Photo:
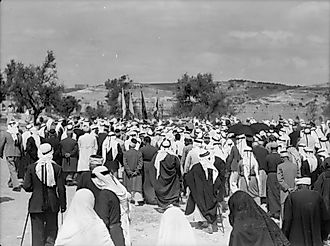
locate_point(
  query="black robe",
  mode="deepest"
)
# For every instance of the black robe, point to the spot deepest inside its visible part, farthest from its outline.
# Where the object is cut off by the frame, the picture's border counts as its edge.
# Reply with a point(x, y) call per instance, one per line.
point(203, 193)
point(251, 225)
point(167, 186)
point(113, 164)
point(322, 185)
point(306, 219)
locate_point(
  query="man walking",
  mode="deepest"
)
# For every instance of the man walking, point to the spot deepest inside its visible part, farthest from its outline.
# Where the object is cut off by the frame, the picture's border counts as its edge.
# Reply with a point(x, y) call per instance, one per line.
point(11, 146)
point(45, 180)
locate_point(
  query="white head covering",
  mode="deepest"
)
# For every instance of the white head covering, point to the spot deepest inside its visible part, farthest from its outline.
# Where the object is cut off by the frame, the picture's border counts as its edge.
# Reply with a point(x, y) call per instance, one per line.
point(35, 135)
point(207, 162)
point(311, 159)
point(82, 226)
point(161, 154)
point(304, 180)
point(13, 130)
point(44, 167)
point(105, 180)
point(175, 230)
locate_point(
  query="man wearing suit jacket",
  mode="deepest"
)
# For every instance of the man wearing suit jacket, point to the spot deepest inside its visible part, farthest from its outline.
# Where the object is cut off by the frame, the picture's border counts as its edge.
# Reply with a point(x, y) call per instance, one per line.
point(286, 174)
point(45, 180)
point(11, 146)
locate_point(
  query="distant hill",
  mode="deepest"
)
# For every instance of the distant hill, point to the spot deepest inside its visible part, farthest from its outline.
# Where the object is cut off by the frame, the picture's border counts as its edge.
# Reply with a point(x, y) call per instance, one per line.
point(262, 100)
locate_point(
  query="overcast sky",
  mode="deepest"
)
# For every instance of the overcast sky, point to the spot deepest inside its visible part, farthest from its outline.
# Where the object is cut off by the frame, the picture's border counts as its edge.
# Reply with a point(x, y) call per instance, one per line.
point(158, 41)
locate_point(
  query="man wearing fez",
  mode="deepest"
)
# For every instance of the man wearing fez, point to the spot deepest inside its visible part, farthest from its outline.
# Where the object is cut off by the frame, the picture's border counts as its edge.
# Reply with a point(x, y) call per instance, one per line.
point(133, 164)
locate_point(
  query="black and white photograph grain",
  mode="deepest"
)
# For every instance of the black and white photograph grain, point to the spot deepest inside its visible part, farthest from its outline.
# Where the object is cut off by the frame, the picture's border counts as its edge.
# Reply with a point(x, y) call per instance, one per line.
point(164, 123)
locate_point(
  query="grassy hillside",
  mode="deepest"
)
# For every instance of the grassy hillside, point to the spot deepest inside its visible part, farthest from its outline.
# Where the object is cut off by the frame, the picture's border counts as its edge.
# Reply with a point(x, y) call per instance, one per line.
point(261, 100)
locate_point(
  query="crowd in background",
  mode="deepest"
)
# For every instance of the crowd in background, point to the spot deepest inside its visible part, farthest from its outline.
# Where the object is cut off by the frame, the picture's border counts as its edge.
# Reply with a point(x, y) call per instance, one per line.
point(284, 164)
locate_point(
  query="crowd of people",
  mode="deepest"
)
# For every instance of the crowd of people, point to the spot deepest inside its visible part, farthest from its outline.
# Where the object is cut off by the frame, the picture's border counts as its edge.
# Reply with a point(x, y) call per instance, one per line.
point(276, 175)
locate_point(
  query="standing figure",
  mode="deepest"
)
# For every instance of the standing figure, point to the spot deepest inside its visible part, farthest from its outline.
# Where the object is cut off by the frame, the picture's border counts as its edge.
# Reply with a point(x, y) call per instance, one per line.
point(109, 184)
point(249, 180)
point(322, 184)
point(148, 152)
point(11, 147)
point(133, 164)
point(287, 172)
point(273, 159)
point(82, 226)
point(45, 180)
point(87, 145)
point(112, 153)
point(69, 152)
point(309, 165)
point(54, 141)
point(167, 175)
point(306, 220)
point(251, 225)
point(204, 183)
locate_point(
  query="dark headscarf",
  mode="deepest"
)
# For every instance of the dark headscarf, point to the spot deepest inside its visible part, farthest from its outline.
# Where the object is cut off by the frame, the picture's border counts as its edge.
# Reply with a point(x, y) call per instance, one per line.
point(246, 217)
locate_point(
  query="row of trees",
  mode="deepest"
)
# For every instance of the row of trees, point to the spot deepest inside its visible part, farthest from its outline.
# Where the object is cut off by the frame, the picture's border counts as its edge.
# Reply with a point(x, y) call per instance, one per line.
point(36, 87)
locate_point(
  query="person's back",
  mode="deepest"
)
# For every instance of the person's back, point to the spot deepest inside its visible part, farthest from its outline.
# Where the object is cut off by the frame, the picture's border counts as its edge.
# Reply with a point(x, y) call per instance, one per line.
point(305, 218)
point(107, 208)
point(148, 151)
point(82, 226)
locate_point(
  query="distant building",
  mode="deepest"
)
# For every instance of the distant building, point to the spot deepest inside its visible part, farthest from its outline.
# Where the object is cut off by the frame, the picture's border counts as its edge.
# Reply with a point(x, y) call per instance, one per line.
point(80, 86)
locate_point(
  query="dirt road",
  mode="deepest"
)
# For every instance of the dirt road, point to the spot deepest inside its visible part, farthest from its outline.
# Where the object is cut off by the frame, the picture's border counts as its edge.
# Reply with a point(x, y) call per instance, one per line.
point(144, 226)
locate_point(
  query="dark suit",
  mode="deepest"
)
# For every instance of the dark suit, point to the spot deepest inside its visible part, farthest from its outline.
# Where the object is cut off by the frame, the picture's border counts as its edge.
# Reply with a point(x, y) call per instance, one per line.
point(69, 145)
point(44, 218)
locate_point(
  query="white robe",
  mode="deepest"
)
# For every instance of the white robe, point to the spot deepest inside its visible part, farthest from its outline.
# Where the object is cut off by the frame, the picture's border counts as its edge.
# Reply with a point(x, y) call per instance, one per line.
point(87, 144)
point(82, 226)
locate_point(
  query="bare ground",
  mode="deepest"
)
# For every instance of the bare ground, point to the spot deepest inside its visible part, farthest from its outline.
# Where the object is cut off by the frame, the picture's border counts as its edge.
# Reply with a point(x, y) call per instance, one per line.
point(144, 224)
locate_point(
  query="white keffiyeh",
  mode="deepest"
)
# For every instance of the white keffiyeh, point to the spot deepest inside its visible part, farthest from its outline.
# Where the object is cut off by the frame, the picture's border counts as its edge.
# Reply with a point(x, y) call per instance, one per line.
point(45, 160)
point(208, 163)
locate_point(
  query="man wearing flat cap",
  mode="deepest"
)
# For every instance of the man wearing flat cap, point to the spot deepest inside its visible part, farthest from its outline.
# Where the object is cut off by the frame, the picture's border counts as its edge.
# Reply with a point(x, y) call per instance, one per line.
point(306, 219)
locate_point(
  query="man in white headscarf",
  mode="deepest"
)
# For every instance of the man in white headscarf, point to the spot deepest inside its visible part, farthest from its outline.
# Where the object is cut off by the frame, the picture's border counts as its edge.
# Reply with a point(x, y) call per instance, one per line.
point(11, 147)
point(105, 180)
point(45, 180)
point(309, 166)
point(192, 157)
point(167, 171)
point(112, 153)
point(204, 182)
